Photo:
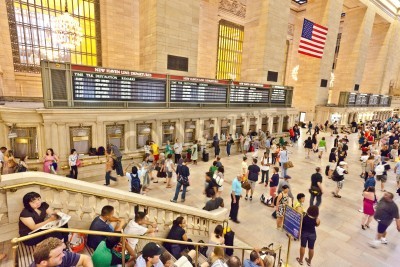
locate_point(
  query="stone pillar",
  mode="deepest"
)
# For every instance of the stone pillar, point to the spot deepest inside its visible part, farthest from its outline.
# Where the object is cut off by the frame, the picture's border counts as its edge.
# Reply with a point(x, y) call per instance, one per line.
point(54, 138)
point(356, 35)
point(270, 123)
point(377, 59)
point(268, 29)
point(280, 124)
point(308, 93)
point(98, 134)
point(130, 136)
point(63, 141)
point(392, 67)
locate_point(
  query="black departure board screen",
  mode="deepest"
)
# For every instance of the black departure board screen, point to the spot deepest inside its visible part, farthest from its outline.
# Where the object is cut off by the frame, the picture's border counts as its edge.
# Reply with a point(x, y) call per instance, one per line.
point(361, 100)
point(373, 100)
point(384, 101)
point(278, 96)
point(91, 83)
point(352, 99)
point(249, 93)
point(190, 89)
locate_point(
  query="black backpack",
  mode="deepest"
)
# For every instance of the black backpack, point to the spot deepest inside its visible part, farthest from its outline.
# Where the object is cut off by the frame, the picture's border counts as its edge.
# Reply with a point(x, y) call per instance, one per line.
point(135, 184)
point(327, 170)
point(21, 168)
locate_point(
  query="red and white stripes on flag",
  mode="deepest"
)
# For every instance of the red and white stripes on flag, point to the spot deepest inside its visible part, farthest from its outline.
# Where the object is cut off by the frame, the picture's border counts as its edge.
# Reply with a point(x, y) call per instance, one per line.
point(313, 38)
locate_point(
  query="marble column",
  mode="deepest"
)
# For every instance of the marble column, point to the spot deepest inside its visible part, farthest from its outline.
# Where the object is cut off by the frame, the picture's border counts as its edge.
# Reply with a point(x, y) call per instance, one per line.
point(268, 29)
point(130, 136)
point(307, 92)
point(356, 35)
point(54, 138)
point(63, 141)
point(270, 123)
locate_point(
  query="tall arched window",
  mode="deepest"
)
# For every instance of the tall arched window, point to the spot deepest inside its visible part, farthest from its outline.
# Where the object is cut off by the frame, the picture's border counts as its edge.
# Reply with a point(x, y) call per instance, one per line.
point(230, 47)
point(32, 38)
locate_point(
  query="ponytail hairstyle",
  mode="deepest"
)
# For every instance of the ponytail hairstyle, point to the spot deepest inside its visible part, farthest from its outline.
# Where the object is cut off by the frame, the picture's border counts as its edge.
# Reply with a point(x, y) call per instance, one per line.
point(218, 231)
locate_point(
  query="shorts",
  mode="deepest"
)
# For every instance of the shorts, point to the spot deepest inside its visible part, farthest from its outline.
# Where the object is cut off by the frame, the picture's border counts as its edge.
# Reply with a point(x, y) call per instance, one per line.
point(339, 184)
point(332, 166)
point(321, 149)
point(169, 174)
point(252, 184)
point(156, 157)
point(398, 178)
point(382, 227)
point(382, 178)
point(309, 238)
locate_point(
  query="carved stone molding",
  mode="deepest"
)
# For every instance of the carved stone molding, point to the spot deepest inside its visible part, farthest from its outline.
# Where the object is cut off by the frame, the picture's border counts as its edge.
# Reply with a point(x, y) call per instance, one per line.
point(235, 7)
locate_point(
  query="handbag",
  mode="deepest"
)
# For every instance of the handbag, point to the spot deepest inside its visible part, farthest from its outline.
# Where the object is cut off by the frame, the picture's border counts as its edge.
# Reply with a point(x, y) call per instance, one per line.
point(183, 180)
point(288, 165)
point(315, 190)
point(245, 184)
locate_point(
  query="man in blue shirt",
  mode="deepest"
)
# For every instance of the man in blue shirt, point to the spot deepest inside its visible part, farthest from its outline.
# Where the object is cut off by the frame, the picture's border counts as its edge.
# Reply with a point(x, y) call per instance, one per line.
point(106, 222)
point(370, 182)
point(254, 261)
point(235, 197)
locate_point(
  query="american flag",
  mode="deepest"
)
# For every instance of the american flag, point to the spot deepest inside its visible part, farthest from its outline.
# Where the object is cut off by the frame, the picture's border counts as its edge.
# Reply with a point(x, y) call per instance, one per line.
point(312, 41)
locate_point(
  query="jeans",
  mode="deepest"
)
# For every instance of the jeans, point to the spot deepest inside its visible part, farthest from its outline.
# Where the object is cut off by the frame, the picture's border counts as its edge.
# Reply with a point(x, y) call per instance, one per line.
point(228, 149)
point(234, 208)
point(318, 197)
point(266, 175)
point(73, 173)
point(118, 166)
point(178, 189)
point(108, 177)
point(284, 170)
point(216, 150)
point(273, 158)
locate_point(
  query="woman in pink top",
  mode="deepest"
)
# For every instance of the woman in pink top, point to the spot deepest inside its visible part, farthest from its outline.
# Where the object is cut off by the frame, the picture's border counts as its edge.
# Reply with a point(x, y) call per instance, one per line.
point(368, 206)
point(50, 161)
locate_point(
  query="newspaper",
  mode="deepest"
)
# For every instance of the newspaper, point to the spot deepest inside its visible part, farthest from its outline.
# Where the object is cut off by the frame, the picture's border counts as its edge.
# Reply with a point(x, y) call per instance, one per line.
point(63, 219)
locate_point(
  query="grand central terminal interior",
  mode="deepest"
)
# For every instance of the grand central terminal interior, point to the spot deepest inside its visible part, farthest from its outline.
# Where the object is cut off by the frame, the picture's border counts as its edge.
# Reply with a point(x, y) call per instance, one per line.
point(91, 88)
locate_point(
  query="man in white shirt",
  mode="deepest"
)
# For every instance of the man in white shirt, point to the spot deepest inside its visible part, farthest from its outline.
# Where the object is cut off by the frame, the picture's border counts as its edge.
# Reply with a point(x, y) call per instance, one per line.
point(177, 150)
point(136, 227)
point(338, 177)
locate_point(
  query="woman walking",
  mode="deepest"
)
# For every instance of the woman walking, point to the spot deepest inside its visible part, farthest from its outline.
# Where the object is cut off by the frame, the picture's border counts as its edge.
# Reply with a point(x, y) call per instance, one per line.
point(73, 164)
point(281, 202)
point(195, 153)
point(321, 147)
point(264, 169)
point(308, 234)
point(308, 146)
point(368, 206)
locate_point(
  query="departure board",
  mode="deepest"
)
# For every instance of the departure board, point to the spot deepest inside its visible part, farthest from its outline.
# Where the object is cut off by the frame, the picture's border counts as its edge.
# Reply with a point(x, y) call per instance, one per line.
point(190, 89)
point(249, 93)
point(278, 96)
point(384, 101)
point(373, 100)
point(361, 100)
point(352, 99)
point(91, 83)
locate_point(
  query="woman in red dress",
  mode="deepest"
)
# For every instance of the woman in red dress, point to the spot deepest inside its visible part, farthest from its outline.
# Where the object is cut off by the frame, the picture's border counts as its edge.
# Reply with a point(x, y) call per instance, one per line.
point(368, 206)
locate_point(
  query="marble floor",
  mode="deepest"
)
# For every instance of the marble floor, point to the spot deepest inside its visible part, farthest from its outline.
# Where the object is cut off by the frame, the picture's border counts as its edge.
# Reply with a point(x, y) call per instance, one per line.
point(340, 241)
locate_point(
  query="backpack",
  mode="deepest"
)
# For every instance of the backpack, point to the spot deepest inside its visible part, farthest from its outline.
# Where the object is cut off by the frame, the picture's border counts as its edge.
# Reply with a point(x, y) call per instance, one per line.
point(20, 168)
point(218, 180)
point(135, 183)
point(183, 180)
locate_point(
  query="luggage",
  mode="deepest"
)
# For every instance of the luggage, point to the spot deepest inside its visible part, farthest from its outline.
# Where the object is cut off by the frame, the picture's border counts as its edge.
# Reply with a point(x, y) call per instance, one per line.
point(229, 237)
point(206, 157)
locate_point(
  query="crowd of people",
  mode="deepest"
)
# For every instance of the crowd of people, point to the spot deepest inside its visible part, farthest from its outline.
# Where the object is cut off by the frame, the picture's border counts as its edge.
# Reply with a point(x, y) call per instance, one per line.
point(266, 161)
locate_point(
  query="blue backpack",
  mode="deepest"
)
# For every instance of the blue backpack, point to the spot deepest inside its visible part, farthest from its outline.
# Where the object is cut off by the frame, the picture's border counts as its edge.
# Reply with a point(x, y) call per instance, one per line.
point(135, 184)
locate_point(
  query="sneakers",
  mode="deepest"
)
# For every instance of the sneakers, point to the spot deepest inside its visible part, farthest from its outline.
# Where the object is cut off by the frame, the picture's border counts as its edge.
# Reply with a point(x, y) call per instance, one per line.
point(251, 198)
point(374, 243)
point(173, 200)
point(182, 200)
point(384, 241)
point(246, 198)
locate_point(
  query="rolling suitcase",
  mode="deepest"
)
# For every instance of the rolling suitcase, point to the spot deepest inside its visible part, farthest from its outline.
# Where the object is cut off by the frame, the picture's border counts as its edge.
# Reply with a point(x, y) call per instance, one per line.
point(206, 157)
point(229, 237)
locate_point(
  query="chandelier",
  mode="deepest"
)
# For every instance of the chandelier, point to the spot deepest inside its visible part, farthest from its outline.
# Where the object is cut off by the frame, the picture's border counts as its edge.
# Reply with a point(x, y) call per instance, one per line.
point(67, 30)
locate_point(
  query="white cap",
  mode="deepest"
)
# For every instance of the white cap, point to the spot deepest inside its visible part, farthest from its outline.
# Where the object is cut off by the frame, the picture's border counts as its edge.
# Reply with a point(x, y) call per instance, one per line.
point(342, 163)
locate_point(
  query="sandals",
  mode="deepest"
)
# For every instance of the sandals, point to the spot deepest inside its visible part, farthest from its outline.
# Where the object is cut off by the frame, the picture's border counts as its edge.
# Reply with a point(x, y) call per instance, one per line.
point(299, 261)
point(308, 261)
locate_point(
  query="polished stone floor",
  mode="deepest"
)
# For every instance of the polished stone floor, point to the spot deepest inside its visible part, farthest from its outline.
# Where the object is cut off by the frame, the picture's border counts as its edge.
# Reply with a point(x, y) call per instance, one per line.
point(340, 241)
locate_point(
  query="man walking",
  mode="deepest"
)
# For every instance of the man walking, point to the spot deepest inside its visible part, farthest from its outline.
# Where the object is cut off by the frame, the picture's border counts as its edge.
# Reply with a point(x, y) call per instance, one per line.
point(252, 175)
point(386, 211)
point(177, 150)
point(118, 162)
point(235, 197)
point(309, 128)
point(316, 190)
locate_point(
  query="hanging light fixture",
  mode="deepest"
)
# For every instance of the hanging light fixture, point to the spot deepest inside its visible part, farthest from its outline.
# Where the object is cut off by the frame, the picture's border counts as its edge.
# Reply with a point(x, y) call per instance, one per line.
point(171, 128)
point(68, 31)
point(145, 130)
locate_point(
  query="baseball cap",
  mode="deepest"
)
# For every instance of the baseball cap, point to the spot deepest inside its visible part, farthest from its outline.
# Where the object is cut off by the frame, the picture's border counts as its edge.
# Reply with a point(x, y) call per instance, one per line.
point(150, 250)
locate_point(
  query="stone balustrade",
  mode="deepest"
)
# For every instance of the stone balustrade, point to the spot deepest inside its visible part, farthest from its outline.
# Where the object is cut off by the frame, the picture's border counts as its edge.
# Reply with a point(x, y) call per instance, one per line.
point(83, 202)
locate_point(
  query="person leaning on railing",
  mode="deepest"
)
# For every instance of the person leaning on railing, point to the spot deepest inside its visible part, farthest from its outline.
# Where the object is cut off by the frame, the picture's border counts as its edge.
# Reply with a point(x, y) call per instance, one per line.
point(51, 252)
point(177, 232)
point(106, 222)
point(35, 215)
